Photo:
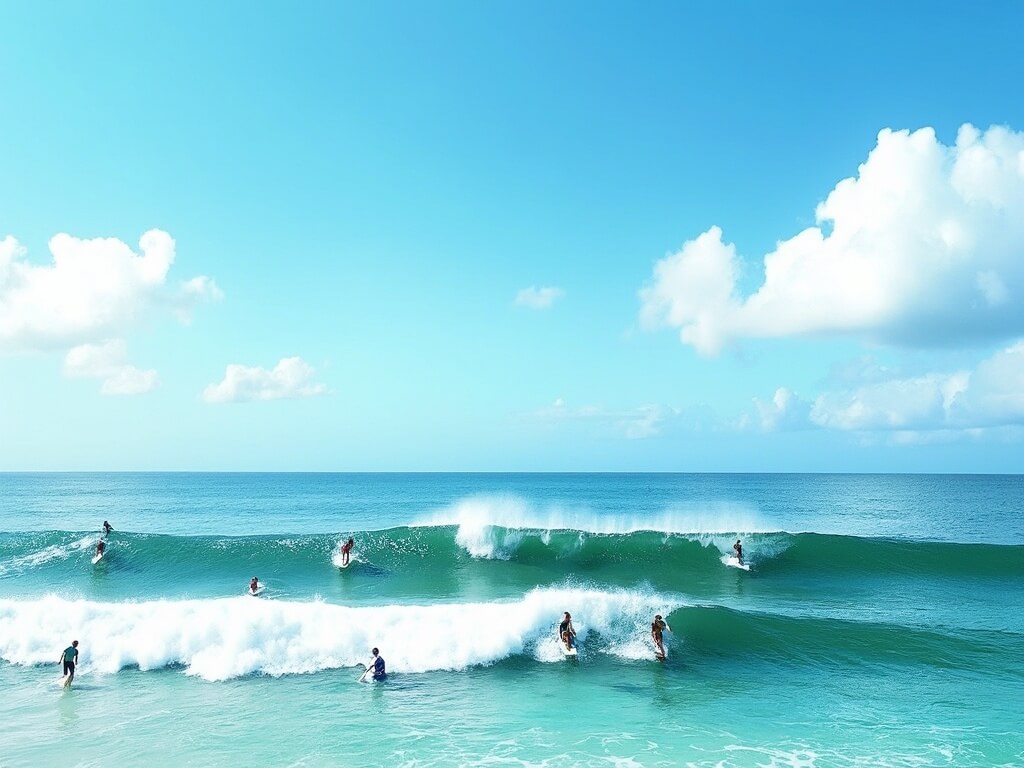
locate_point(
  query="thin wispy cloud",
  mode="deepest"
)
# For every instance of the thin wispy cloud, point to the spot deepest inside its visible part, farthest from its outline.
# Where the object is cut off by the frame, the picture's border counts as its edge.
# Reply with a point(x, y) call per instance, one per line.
point(921, 248)
point(290, 378)
point(538, 298)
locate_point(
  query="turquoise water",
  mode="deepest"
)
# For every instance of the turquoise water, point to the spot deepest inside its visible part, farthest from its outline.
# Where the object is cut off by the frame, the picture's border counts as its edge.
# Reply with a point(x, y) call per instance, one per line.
point(881, 622)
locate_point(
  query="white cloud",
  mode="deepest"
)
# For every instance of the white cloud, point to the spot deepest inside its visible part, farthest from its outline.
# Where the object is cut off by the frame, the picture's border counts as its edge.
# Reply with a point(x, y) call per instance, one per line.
point(784, 411)
point(107, 361)
point(637, 423)
point(93, 290)
point(538, 298)
point(923, 247)
point(989, 397)
point(290, 378)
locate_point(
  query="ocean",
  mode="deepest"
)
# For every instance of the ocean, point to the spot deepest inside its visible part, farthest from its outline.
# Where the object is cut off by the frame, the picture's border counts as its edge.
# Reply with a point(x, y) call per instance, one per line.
point(881, 621)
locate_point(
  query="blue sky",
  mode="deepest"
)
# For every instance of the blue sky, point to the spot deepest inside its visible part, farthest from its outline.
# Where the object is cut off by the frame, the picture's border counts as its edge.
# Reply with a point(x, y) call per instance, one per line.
point(511, 236)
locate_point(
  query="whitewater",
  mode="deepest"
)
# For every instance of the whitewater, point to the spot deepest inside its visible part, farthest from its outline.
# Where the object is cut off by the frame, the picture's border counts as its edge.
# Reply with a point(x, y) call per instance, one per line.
point(881, 621)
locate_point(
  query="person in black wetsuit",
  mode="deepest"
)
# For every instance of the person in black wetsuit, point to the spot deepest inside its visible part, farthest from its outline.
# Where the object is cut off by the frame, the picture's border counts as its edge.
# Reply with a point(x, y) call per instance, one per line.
point(107, 528)
point(378, 667)
point(738, 548)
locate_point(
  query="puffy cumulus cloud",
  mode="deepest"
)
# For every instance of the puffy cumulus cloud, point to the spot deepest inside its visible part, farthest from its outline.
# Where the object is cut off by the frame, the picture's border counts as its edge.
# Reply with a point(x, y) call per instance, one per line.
point(538, 298)
point(924, 246)
point(94, 289)
point(290, 378)
point(107, 361)
point(786, 410)
point(989, 397)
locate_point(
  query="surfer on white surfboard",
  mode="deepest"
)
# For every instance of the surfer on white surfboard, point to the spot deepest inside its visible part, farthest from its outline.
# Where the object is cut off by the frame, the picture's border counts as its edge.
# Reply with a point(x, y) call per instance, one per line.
point(566, 633)
point(101, 547)
point(738, 549)
point(658, 627)
point(254, 585)
point(346, 552)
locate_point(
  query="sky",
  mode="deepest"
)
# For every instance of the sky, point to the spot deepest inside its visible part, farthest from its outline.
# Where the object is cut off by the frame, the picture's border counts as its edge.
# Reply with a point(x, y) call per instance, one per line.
point(512, 236)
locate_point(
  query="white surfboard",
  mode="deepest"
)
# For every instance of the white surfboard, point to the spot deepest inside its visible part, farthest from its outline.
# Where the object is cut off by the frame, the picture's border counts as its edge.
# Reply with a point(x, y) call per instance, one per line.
point(733, 562)
point(570, 651)
point(260, 589)
point(97, 557)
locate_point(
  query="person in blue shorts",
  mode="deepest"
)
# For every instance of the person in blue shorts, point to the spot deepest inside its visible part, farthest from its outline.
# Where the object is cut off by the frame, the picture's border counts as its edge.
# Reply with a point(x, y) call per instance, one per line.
point(69, 658)
point(377, 665)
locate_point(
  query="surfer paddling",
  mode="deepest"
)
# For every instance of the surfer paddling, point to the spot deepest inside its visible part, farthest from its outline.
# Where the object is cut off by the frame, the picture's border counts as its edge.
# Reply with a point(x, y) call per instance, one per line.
point(738, 549)
point(69, 658)
point(566, 632)
point(658, 627)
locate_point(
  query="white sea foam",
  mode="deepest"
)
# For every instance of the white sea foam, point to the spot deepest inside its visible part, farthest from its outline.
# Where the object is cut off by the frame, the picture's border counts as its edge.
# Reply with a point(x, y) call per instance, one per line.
point(493, 526)
point(53, 552)
point(228, 637)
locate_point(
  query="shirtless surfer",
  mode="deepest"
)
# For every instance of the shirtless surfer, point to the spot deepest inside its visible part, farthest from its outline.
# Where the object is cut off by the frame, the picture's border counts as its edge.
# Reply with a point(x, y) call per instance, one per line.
point(659, 626)
point(254, 585)
point(346, 552)
point(101, 547)
point(566, 632)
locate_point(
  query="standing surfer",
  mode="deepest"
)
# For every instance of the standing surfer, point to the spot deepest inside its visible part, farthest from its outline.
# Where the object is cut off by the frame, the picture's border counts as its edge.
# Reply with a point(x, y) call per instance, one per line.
point(101, 547)
point(738, 548)
point(346, 552)
point(566, 632)
point(658, 626)
point(254, 585)
point(107, 528)
point(69, 659)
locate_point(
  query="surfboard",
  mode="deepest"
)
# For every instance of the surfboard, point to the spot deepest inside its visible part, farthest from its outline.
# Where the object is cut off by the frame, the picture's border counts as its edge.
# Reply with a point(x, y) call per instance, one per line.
point(258, 591)
point(733, 562)
point(96, 558)
point(343, 566)
point(570, 651)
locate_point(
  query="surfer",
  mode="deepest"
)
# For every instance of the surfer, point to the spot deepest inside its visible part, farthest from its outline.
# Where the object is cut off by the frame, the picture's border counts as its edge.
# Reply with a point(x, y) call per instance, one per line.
point(254, 585)
point(107, 528)
point(101, 547)
point(738, 549)
point(566, 632)
point(658, 626)
point(377, 665)
point(346, 551)
point(69, 659)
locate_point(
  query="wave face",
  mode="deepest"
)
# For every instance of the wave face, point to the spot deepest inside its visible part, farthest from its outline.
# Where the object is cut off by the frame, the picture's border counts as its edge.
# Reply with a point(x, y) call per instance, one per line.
point(488, 552)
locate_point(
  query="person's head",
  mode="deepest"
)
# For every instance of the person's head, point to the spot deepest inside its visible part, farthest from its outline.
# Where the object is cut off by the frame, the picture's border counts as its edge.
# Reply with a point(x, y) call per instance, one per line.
point(375, 652)
point(657, 617)
point(567, 615)
point(74, 643)
point(349, 539)
point(737, 541)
